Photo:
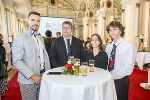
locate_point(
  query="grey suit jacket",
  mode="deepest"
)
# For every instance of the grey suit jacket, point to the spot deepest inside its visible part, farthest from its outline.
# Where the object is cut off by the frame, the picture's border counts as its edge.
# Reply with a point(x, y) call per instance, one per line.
point(26, 59)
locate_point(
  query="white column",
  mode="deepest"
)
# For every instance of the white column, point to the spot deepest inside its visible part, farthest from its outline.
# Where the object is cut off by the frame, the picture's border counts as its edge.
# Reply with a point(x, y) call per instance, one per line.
point(131, 21)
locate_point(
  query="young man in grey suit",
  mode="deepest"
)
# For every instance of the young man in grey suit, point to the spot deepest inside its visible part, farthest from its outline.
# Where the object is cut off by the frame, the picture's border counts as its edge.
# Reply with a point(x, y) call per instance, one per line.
point(30, 58)
point(66, 46)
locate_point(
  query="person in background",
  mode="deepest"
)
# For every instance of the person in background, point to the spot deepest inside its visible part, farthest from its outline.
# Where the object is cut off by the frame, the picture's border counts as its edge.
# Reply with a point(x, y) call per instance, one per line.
point(87, 41)
point(141, 44)
point(65, 46)
point(58, 34)
point(121, 56)
point(30, 58)
point(8, 51)
point(7, 60)
point(3, 82)
point(81, 38)
point(86, 44)
point(48, 41)
point(97, 52)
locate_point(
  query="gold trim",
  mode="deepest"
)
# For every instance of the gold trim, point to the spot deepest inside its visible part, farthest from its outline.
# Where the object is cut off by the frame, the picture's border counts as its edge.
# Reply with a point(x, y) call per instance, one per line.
point(115, 19)
point(104, 18)
point(7, 9)
point(122, 10)
point(137, 5)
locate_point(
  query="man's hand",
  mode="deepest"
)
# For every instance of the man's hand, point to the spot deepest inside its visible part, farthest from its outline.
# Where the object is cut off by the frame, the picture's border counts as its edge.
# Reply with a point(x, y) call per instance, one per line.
point(36, 78)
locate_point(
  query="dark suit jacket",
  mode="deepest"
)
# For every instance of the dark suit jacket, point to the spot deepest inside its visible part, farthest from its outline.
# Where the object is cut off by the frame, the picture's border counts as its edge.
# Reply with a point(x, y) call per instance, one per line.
point(48, 42)
point(59, 56)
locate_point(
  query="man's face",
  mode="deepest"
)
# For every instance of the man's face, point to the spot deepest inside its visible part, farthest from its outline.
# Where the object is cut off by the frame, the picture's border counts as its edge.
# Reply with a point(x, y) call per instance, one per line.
point(66, 30)
point(58, 35)
point(115, 33)
point(34, 22)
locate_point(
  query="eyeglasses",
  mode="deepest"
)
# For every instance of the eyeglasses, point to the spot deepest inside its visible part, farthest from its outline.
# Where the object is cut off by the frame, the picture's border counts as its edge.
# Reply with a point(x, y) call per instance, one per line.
point(66, 28)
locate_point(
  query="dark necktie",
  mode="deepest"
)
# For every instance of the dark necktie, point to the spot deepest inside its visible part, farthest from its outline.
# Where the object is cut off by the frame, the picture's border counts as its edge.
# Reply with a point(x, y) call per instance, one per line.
point(112, 58)
point(68, 46)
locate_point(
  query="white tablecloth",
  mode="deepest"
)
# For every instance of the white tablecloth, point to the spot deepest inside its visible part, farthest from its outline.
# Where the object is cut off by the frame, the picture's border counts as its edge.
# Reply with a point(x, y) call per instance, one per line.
point(142, 58)
point(97, 85)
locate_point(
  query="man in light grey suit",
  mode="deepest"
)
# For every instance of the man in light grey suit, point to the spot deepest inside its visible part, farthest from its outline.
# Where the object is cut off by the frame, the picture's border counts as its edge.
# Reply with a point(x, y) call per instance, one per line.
point(30, 58)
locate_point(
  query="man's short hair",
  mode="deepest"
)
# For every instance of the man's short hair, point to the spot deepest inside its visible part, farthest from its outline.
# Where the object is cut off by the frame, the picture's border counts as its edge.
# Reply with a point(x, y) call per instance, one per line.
point(34, 13)
point(116, 24)
point(67, 22)
point(58, 33)
point(48, 33)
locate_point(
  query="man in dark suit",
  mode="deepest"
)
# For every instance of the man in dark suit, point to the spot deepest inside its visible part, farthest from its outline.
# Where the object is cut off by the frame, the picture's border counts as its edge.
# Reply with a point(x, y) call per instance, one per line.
point(48, 41)
point(66, 46)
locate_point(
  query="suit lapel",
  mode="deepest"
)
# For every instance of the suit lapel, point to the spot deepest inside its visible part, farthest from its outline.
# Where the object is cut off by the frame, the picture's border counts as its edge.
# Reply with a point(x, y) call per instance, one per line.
point(72, 45)
point(63, 46)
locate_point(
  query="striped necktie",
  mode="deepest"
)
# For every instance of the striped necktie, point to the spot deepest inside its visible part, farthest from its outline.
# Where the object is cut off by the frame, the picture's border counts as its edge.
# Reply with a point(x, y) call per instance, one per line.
point(112, 58)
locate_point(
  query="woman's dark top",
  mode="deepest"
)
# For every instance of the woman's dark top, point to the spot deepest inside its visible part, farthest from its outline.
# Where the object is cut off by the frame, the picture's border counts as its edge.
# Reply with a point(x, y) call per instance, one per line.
point(100, 60)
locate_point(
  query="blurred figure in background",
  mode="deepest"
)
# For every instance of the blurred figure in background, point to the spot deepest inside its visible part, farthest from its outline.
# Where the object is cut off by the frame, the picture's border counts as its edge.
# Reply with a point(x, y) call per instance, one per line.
point(8, 51)
point(48, 41)
point(3, 81)
point(58, 34)
point(81, 38)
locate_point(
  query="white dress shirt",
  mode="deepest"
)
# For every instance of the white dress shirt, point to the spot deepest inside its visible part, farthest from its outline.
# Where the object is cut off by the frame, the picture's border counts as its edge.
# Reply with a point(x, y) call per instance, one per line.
point(40, 49)
point(124, 58)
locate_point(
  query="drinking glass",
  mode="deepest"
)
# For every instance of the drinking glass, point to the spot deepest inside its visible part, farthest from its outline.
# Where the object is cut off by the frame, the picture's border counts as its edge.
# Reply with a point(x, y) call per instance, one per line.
point(84, 66)
point(77, 67)
point(91, 65)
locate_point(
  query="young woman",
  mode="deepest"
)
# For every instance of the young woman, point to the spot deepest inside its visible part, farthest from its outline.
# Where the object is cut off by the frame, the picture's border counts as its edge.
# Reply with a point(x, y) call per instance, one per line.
point(97, 52)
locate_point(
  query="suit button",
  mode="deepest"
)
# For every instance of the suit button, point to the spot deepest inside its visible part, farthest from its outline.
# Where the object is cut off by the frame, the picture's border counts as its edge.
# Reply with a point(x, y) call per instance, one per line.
point(39, 56)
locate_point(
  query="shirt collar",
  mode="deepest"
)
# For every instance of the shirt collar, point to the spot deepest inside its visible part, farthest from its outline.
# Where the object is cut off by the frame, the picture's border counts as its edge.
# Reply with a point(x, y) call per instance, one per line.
point(118, 42)
point(66, 38)
point(32, 32)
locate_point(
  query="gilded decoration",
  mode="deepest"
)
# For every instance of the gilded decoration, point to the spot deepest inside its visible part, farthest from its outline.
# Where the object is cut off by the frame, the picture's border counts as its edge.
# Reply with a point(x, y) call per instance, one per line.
point(109, 4)
point(137, 5)
point(91, 14)
point(102, 4)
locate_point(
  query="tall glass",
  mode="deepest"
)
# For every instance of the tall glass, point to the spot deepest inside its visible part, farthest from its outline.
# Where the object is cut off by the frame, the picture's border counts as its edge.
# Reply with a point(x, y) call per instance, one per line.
point(77, 67)
point(91, 65)
point(84, 66)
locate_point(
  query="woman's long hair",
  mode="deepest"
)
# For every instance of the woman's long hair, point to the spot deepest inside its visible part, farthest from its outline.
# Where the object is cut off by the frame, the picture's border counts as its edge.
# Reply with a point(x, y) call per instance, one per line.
point(101, 45)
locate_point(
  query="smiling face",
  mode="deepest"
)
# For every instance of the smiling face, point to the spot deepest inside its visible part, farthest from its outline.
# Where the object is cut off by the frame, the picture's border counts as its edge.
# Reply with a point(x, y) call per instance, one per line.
point(95, 42)
point(34, 22)
point(66, 30)
point(115, 33)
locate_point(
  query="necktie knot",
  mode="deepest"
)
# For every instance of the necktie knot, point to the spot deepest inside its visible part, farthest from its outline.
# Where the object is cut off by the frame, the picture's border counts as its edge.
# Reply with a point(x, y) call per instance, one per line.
point(68, 40)
point(114, 46)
